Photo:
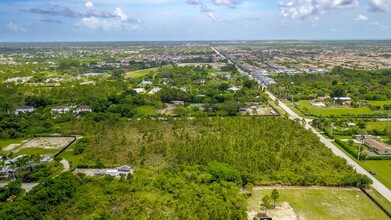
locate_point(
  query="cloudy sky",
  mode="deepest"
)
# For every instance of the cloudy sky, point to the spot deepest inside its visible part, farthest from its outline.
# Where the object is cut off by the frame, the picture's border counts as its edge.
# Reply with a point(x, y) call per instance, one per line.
point(138, 20)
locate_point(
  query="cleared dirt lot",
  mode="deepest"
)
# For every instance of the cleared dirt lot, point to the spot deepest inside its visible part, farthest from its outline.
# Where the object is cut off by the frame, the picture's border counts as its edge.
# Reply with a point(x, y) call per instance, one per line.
point(46, 143)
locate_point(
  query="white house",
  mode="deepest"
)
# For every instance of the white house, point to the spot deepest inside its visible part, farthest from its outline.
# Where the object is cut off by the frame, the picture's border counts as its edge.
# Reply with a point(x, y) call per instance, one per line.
point(146, 82)
point(112, 172)
point(60, 109)
point(83, 108)
point(24, 109)
point(139, 90)
point(234, 89)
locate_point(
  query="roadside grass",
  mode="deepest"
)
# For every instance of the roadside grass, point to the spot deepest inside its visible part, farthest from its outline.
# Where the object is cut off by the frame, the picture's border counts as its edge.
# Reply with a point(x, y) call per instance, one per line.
point(380, 199)
point(323, 203)
point(305, 106)
point(36, 150)
point(381, 167)
point(145, 110)
point(294, 109)
point(6, 142)
point(139, 73)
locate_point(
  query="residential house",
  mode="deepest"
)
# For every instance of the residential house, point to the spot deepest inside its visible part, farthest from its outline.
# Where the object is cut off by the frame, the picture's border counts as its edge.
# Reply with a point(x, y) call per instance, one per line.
point(24, 109)
point(83, 108)
point(60, 109)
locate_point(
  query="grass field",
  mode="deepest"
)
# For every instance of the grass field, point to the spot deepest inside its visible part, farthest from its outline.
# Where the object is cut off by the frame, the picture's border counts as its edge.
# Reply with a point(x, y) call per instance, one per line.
point(39, 151)
point(139, 73)
point(382, 169)
point(379, 125)
point(5, 143)
point(74, 160)
point(379, 103)
point(305, 106)
point(321, 203)
point(380, 199)
point(145, 110)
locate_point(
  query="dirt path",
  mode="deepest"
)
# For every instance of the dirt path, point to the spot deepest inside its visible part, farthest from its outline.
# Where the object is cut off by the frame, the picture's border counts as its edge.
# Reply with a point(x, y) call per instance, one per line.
point(65, 164)
point(304, 187)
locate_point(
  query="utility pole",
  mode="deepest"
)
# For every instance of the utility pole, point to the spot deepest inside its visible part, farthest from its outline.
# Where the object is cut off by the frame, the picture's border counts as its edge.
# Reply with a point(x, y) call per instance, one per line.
point(388, 120)
point(362, 133)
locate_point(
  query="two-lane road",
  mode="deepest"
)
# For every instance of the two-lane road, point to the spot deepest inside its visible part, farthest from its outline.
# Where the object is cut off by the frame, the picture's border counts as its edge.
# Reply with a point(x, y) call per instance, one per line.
point(377, 185)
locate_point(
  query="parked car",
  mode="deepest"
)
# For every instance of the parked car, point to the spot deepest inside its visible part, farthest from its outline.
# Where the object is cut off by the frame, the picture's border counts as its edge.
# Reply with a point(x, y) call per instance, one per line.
point(372, 172)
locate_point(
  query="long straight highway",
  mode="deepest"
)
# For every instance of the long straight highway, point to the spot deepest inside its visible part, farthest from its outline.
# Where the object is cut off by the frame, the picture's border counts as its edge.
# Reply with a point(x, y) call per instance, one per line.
point(377, 185)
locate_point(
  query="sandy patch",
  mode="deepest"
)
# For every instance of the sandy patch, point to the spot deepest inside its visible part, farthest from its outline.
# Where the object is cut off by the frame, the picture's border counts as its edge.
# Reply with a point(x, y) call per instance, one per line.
point(11, 147)
point(282, 212)
point(46, 143)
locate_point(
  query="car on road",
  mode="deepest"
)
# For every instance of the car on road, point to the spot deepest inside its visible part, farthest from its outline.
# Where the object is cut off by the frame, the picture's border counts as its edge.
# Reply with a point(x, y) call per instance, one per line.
point(372, 172)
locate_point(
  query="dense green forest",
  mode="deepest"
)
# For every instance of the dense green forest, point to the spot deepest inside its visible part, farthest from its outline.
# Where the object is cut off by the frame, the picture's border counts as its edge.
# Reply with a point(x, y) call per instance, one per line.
point(263, 150)
point(186, 169)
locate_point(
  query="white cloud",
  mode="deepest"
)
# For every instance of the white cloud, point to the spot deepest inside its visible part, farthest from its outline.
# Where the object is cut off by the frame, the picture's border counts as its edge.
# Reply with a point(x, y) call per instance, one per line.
point(361, 18)
point(380, 5)
point(119, 23)
point(121, 14)
point(89, 5)
point(15, 27)
point(301, 9)
point(229, 3)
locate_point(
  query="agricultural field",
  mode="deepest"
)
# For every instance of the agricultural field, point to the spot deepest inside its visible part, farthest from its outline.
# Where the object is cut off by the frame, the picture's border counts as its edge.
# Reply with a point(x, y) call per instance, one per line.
point(317, 203)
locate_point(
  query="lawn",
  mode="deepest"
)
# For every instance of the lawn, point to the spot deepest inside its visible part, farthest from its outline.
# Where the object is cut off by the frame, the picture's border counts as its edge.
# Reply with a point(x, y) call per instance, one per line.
point(322, 203)
point(139, 73)
point(305, 106)
point(382, 169)
point(6, 142)
point(145, 110)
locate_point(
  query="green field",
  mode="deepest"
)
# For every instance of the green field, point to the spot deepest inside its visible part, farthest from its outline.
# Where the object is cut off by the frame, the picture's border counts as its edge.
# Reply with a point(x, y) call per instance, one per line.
point(379, 103)
point(379, 125)
point(5, 143)
point(382, 169)
point(139, 73)
point(322, 203)
point(145, 110)
point(305, 106)
point(39, 151)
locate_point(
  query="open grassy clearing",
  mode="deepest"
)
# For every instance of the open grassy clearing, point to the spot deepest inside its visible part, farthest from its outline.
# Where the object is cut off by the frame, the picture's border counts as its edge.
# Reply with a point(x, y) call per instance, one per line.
point(293, 108)
point(37, 151)
point(320, 203)
point(145, 110)
point(6, 142)
point(139, 73)
point(379, 103)
point(305, 106)
point(379, 125)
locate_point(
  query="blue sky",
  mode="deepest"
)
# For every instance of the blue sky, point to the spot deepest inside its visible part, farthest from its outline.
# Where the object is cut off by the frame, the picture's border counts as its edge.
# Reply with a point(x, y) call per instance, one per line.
point(139, 20)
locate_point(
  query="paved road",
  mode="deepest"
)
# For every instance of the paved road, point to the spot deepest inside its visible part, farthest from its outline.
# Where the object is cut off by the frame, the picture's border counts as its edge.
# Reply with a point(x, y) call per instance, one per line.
point(377, 185)
point(25, 186)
